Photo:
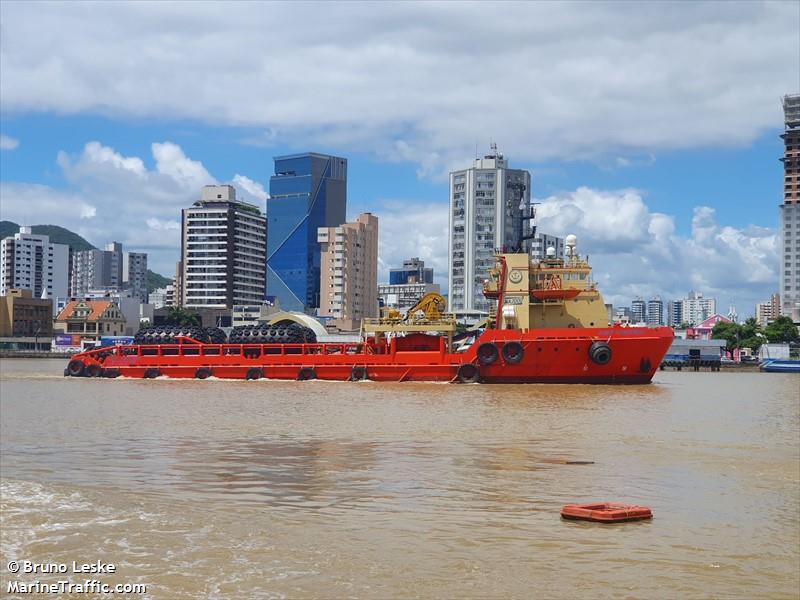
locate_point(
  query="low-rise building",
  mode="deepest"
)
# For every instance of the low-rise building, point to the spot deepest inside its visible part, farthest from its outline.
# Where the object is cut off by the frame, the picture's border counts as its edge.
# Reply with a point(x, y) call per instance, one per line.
point(90, 319)
point(404, 296)
point(703, 330)
point(23, 315)
point(159, 296)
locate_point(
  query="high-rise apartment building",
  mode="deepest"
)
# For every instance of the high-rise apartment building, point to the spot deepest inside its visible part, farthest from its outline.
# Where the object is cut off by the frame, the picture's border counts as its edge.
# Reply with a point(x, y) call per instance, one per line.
point(655, 311)
point(674, 313)
point(541, 242)
point(638, 311)
point(222, 251)
point(134, 274)
point(31, 262)
point(489, 204)
point(696, 308)
point(790, 210)
point(307, 191)
point(110, 269)
point(349, 271)
point(768, 311)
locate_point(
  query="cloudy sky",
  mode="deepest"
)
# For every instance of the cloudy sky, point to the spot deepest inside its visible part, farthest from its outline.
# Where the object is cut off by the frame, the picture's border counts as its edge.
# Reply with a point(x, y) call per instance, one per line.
point(650, 129)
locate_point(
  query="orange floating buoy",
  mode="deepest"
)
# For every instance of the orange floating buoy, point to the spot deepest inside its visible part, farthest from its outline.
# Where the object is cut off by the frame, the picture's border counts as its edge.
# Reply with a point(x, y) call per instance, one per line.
point(606, 512)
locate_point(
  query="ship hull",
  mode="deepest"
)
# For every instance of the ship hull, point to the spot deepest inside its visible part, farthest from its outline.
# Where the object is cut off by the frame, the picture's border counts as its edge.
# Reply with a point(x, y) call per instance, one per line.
point(546, 356)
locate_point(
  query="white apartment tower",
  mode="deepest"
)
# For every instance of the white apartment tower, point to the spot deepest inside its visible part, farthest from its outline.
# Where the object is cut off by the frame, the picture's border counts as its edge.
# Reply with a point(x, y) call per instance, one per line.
point(223, 250)
point(488, 203)
point(31, 262)
point(638, 311)
point(695, 308)
point(349, 271)
point(134, 274)
point(790, 210)
point(655, 311)
point(96, 270)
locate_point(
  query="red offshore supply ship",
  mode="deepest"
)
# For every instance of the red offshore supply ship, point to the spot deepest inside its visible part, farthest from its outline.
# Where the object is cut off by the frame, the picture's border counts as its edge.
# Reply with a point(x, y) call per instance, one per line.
point(550, 326)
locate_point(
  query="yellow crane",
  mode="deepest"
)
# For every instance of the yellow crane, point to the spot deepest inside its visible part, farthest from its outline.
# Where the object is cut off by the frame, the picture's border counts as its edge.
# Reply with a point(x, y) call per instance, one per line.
point(432, 306)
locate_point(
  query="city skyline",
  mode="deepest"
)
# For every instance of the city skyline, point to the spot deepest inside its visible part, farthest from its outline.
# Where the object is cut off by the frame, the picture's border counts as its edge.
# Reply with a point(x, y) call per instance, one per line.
point(665, 196)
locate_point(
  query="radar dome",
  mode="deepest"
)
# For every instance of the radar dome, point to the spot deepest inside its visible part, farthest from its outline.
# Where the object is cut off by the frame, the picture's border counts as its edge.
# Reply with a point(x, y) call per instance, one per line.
point(571, 240)
point(551, 252)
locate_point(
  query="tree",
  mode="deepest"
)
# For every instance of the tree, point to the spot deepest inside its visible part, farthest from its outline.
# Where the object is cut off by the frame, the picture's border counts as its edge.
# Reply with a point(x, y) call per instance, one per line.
point(752, 342)
point(177, 315)
point(730, 332)
point(782, 329)
point(750, 328)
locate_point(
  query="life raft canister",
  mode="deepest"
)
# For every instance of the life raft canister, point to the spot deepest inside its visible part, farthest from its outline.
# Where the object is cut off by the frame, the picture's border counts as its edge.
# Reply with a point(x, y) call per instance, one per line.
point(606, 512)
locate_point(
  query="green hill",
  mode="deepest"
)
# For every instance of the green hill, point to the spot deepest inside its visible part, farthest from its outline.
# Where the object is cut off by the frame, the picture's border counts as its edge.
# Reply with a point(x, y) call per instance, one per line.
point(76, 243)
point(57, 235)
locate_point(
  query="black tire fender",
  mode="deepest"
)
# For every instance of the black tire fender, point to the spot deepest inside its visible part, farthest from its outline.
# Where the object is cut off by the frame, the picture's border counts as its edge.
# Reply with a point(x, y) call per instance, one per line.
point(488, 353)
point(468, 373)
point(93, 370)
point(254, 373)
point(151, 373)
point(76, 368)
point(202, 373)
point(600, 353)
point(358, 373)
point(306, 374)
point(513, 352)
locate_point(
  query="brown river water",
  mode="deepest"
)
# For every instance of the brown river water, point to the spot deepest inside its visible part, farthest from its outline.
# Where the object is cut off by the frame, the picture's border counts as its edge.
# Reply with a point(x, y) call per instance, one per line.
point(268, 489)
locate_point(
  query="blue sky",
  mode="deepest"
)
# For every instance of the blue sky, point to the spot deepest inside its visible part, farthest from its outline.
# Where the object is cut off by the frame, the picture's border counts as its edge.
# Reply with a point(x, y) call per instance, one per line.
point(745, 181)
point(651, 130)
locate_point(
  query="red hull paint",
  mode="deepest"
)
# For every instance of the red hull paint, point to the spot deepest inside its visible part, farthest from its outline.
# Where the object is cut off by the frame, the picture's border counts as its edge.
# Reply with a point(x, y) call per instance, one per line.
point(549, 356)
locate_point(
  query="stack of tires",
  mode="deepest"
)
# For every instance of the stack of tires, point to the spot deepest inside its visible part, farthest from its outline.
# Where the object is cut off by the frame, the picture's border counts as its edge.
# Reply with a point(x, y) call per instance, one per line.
point(272, 334)
point(169, 334)
point(216, 335)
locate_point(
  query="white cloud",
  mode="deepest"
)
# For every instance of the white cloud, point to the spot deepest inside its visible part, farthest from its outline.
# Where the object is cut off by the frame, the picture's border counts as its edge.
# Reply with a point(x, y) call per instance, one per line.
point(418, 81)
point(116, 197)
point(8, 142)
point(408, 229)
point(253, 190)
point(172, 162)
point(634, 252)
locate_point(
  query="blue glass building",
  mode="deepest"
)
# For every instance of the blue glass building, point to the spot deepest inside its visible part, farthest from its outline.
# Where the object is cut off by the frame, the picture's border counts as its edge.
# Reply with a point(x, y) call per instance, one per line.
point(413, 271)
point(307, 191)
